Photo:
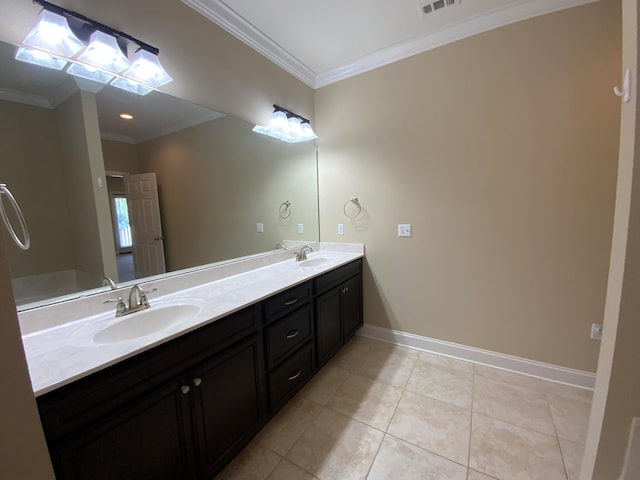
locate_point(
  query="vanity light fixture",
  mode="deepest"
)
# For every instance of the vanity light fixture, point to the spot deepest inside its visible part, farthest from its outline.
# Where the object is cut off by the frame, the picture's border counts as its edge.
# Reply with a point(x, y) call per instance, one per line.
point(287, 126)
point(62, 39)
point(126, 116)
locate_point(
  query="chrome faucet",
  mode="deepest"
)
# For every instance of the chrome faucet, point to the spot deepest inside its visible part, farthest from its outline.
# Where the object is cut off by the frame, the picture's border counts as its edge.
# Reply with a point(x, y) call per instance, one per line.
point(302, 254)
point(137, 301)
point(106, 280)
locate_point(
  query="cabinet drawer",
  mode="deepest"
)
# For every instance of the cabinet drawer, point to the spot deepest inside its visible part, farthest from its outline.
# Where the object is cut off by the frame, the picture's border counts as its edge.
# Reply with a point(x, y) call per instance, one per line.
point(286, 302)
point(287, 334)
point(285, 380)
point(335, 277)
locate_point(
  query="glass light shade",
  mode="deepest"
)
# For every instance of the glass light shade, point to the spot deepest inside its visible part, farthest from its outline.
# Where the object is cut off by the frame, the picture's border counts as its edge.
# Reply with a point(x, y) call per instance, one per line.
point(103, 52)
point(279, 122)
point(52, 34)
point(38, 57)
point(130, 86)
point(307, 132)
point(146, 69)
point(290, 130)
point(295, 128)
point(90, 73)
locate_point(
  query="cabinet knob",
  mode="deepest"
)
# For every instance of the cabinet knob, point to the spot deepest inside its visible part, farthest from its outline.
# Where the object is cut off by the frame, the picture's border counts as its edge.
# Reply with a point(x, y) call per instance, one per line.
point(197, 381)
point(185, 389)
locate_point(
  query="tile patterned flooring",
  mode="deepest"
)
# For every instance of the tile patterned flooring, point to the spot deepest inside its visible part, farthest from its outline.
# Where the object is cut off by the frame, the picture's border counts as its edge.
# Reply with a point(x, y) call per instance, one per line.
point(378, 411)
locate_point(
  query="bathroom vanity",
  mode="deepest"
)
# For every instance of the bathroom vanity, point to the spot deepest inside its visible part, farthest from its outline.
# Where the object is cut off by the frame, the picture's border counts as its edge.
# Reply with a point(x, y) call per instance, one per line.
point(182, 407)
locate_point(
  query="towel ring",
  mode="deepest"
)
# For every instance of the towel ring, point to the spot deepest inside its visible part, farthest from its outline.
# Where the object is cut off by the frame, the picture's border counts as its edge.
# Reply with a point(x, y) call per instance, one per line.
point(285, 209)
point(24, 245)
point(351, 214)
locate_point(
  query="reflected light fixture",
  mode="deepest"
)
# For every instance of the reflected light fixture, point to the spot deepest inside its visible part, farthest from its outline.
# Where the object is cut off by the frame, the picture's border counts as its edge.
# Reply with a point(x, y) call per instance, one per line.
point(287, 126)
point(126, 116)
point(62, 39)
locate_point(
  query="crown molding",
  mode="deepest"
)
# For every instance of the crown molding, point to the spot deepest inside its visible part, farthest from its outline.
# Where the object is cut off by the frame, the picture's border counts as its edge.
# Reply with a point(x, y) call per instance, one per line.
point(25, 98)
point(226, 18)
point(473, 26)
point(115, 137)
point(229, 20)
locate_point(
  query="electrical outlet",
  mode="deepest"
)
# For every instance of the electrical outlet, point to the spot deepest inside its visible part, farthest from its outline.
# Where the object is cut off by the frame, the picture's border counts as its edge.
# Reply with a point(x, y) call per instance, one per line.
point(340, 229)
point(300, 228)
point(404, 229)
point(596, 331)
point(259, 227)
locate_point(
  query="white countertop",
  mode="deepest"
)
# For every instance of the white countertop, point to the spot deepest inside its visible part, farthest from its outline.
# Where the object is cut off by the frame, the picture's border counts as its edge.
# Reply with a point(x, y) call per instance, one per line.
point(59, 339)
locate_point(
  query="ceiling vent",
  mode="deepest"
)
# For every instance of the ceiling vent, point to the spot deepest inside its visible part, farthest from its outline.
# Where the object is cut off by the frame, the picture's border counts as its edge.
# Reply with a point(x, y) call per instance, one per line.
point(437, 5)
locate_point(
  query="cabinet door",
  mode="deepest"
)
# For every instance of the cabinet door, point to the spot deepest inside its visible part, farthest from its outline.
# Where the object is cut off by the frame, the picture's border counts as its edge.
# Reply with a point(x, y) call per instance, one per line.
point(328, 324)
point(351, 306)
point(228, 403)
point(149, 438)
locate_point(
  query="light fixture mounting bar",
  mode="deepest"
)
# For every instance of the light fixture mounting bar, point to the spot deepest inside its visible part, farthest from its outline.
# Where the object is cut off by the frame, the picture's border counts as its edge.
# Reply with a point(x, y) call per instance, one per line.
point(96, 25)
point(289, 114)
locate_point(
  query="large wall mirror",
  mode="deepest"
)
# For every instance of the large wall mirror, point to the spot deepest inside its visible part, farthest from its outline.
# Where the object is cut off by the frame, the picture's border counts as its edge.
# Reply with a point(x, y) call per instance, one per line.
point(177, 187)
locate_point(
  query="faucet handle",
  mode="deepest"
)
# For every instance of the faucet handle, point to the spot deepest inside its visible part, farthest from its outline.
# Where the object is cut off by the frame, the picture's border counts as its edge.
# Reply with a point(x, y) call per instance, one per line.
point(121, 308)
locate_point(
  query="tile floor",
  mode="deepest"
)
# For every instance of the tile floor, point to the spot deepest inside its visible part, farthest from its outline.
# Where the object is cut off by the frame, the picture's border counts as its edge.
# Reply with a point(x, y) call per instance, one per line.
point(379, 411)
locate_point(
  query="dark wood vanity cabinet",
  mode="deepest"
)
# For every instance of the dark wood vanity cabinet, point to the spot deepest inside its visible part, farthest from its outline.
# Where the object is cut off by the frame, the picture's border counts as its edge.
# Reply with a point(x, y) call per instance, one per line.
point(184, 409)
point(288, 333)
point(338, 308)
point(180, 411)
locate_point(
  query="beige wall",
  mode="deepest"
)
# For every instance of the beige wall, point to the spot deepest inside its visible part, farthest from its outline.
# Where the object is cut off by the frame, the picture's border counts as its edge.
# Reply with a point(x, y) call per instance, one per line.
point(87, 202)
point(218, 179)
point(120, 157)
point(30, 145)
point(501, 151)
point(23, 452)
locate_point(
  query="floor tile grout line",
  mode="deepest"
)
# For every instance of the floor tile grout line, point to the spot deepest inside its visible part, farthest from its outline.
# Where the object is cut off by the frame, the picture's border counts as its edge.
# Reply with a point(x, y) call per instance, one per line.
point(555, 429)
point(439, 455)
point(520, 426)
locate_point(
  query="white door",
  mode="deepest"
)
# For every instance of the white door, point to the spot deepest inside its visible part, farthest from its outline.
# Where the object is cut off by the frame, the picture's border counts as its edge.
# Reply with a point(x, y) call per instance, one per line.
point(141, 191)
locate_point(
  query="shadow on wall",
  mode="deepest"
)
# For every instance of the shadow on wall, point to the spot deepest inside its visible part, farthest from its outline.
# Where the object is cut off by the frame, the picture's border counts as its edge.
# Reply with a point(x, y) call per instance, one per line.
point(376, 300)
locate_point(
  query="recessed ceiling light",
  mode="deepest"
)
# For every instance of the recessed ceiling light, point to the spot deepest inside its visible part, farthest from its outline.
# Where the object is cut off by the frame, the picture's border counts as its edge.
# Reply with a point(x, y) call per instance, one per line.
point(126, 116)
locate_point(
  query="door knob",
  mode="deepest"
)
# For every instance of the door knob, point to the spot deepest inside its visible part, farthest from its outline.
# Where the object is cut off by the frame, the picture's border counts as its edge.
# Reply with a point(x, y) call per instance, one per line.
point(161, 237)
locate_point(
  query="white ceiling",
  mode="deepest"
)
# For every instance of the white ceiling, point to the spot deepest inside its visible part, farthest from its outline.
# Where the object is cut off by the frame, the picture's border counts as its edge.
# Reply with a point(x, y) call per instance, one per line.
point(326, 41)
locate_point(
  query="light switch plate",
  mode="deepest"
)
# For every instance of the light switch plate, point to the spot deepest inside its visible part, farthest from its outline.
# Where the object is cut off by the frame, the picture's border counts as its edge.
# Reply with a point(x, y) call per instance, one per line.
point(340, 229)
point(300, 228)
point(259, 227)
point(404, 230)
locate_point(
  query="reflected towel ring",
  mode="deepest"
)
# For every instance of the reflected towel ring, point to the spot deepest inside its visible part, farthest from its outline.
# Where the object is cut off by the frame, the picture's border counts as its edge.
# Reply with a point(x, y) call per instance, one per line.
point(353, 213)
point(24, 245)
point(285, 209)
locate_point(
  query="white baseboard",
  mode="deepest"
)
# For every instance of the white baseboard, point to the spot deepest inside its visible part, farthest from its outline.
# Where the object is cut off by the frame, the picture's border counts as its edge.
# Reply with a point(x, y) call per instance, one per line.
point(532, 368)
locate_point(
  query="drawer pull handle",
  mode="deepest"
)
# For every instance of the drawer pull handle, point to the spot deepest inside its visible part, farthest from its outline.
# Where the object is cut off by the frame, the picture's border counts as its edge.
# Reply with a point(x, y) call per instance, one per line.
point(291, 302)
point(185, 389)
point(295, 375)
point(197, 381)
point(293, 333)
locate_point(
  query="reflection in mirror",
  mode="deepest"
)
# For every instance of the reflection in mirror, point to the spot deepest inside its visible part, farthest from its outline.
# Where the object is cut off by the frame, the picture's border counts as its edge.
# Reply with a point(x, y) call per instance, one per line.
point(176, 187)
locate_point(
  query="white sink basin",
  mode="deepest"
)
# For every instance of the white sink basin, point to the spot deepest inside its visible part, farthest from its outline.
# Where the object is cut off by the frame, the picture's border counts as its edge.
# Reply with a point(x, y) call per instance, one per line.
point(146, 322)
point(314, 262)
